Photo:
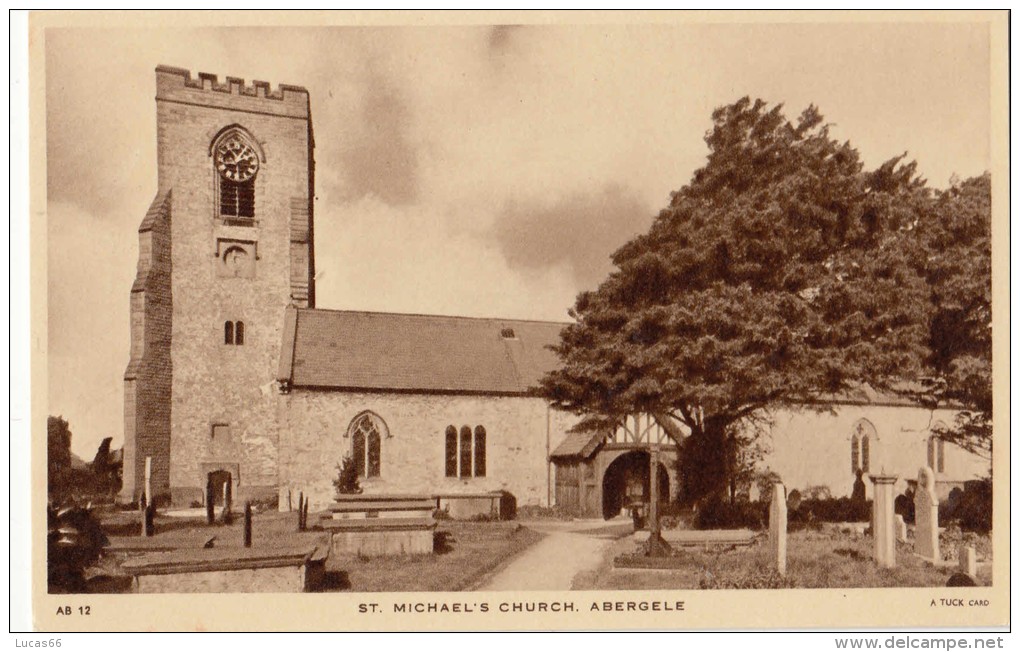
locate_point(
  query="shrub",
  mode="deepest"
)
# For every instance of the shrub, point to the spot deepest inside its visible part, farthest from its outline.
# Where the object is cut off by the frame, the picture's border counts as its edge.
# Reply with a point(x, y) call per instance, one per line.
point(973, 510)
point(765, 480)
point(832, 510)
point(904, 506)
point(346, 481)
point(818, 492)
point(716, 513)
point(75, 541)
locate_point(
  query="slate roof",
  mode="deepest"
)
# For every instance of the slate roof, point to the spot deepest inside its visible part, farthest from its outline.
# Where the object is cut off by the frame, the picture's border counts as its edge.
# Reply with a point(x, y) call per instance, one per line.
point(341, 349)
point(578, 444)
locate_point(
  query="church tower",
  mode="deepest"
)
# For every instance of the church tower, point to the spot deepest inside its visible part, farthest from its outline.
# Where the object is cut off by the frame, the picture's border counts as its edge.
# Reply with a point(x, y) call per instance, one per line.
point(225, 248)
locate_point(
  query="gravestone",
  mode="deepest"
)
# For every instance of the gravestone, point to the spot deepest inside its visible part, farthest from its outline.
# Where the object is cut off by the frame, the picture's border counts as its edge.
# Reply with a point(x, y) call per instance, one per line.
point(968, 561)
point(926, 517)
point(901, 528)
point(777, 527)
point(882, 520)
point(247, 524)
point(148, 481)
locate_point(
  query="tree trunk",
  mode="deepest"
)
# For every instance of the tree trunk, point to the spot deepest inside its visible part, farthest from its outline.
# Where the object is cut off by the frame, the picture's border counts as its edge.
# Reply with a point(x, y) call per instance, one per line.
point(705, 466)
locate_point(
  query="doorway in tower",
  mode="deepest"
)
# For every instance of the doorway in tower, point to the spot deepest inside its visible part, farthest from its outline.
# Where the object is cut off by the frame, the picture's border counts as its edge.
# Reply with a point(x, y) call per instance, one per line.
point(626, 482)
point(219, 486)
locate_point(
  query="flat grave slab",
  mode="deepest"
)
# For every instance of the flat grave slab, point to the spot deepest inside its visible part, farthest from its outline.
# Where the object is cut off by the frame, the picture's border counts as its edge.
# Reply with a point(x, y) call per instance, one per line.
point(695, 538)
point(373, 507)
point(227, 570)
point(165, 543)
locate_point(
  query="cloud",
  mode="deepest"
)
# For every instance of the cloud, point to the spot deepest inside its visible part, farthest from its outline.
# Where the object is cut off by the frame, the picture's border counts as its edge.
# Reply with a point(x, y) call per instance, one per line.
point(376, 154)
point(580, 230)
point(374, 256)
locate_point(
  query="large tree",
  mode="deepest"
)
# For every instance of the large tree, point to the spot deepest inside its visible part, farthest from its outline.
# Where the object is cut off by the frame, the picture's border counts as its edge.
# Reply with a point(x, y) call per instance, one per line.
point(58, 453)
point(779, 273)
point(954, 250)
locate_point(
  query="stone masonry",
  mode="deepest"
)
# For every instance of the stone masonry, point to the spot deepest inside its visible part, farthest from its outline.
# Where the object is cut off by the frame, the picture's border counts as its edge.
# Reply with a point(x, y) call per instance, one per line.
point(211, 383)
point(412, 454)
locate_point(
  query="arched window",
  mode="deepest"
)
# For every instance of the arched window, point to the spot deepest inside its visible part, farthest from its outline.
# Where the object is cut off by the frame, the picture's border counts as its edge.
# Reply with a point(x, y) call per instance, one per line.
point(860, 446)
point(451, 452)
point(465, 452)
point(937, 453)
point(366, 432)
point(236, 160)
point(479, 452)
point(233, 332)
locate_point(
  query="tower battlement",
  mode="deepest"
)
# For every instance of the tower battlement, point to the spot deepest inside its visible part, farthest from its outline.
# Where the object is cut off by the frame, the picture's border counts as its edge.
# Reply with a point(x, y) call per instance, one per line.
point(205, 89)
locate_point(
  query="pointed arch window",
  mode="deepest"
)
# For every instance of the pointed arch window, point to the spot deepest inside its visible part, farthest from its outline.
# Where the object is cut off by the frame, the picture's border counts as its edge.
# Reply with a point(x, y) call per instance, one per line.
point(236, 160)
point(936, 454)
point(366, 432)
point(860, 446)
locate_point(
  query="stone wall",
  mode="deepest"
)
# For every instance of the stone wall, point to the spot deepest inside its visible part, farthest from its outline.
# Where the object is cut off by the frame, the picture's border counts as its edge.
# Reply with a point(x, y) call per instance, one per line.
point(811, 448)
point(214, 383)
point(520, 433)
point(148, 375)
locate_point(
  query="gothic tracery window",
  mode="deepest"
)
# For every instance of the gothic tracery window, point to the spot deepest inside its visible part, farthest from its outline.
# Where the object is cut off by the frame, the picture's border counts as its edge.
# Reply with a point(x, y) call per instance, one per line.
point(366, 432)
point(236, 163)
point(860, 446)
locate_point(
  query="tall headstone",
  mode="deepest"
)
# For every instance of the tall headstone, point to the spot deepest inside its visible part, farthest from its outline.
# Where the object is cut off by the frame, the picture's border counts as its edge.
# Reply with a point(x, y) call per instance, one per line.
point(148, 480)
point(777, 527)
point(143, 513)
point(882, 513)
point(926, 516)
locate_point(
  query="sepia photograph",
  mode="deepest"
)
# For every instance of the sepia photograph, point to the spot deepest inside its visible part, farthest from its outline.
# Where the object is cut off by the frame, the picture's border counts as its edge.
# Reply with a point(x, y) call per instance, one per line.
point(496, 320)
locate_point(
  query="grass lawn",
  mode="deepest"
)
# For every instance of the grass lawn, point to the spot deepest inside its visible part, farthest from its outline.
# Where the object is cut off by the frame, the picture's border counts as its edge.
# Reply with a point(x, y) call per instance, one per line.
point(814, 560)
point(466, 553)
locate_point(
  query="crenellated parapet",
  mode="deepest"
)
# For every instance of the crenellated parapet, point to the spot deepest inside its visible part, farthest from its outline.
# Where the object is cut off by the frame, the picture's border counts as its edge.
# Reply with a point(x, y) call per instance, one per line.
point(178, 85)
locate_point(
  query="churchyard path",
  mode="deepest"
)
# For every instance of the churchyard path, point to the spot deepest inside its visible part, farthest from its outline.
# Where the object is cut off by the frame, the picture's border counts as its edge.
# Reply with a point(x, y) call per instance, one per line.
point(568, 548)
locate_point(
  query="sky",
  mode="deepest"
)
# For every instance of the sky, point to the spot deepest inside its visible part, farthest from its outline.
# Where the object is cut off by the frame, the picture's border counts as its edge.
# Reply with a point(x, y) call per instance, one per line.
point(480, 170)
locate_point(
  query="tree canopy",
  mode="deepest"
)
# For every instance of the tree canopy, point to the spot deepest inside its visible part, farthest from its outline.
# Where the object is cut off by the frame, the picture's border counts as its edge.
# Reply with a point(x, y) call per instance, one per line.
point(955, 248)
point(779, 273)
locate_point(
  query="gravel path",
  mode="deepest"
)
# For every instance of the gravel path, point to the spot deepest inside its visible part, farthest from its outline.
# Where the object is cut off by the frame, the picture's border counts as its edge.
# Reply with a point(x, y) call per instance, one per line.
point(568, 549)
